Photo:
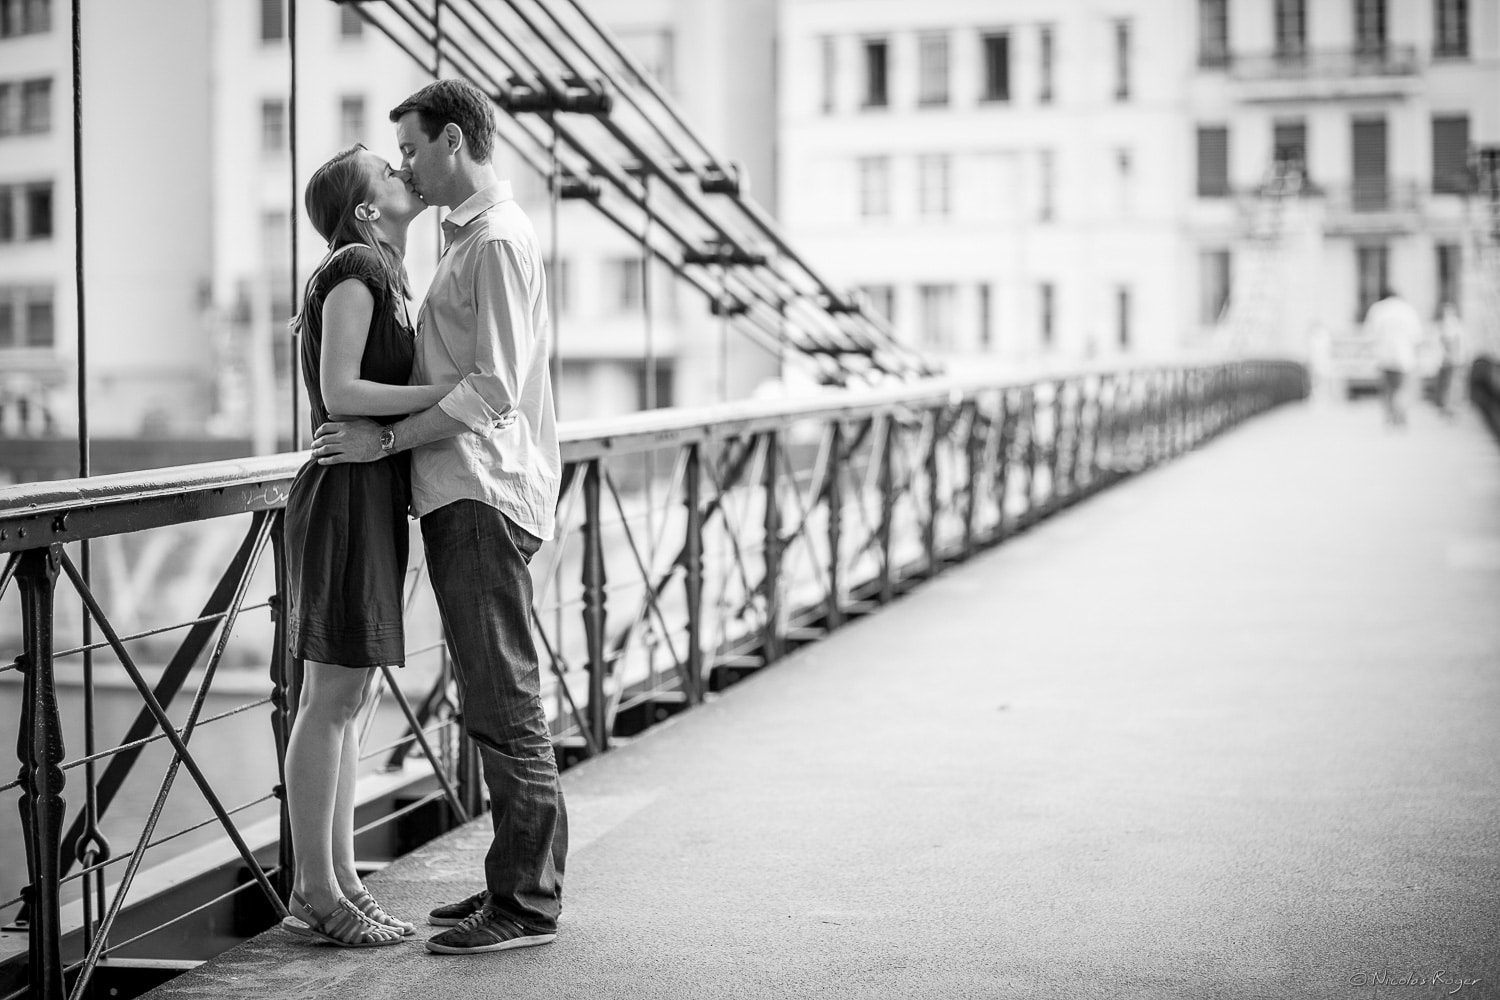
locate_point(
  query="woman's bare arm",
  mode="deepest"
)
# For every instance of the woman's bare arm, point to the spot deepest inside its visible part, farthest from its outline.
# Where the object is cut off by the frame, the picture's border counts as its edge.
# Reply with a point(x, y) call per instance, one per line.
point(347, 311)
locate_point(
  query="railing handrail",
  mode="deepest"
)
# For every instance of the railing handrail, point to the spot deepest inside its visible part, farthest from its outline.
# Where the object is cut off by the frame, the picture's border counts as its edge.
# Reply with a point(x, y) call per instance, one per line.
point(37, 514)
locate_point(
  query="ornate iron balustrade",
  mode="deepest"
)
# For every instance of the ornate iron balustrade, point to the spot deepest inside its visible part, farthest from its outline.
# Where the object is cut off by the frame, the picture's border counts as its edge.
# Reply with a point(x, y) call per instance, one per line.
point(693, 546)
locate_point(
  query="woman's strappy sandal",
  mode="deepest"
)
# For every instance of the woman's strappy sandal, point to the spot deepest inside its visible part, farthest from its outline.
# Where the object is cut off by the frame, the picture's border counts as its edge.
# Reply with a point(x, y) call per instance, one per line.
point(366, 904)
point(343, 926)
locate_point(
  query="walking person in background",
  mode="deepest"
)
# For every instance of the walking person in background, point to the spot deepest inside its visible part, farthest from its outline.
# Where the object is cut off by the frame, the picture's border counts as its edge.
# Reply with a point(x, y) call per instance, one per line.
point(347, 534)
point(485, 475)
point(1395, 328)
point(1450, 342)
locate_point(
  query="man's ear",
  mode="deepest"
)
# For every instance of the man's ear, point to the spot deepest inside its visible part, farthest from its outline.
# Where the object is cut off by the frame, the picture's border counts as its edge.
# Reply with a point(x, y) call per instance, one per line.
point(454, 137)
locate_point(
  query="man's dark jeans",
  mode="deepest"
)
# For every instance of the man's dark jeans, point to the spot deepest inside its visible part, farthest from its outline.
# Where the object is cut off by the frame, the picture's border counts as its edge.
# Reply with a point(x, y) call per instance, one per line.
point(477, 559)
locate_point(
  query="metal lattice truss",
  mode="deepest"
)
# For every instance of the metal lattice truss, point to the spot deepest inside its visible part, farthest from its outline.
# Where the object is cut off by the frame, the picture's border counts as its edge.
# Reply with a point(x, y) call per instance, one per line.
point(579, 110)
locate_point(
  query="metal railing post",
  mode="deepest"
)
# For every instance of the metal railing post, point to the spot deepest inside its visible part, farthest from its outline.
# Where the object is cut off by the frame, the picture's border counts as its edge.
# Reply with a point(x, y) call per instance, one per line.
point(833, 502)
point(41, 753)
point(593, 604)
point(930, 470)
point(771, 552)
point(887, 505)
point(973, 450)
point(693, 577)
point(284, 670)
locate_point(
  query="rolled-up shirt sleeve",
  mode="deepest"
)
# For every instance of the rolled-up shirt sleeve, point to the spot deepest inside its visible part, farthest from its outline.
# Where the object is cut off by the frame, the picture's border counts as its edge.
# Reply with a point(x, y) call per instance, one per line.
point(486, 398)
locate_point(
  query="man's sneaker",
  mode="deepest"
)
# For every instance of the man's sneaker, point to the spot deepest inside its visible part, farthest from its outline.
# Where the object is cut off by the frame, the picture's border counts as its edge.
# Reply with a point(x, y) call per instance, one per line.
point(450, 914)
point(485, 930)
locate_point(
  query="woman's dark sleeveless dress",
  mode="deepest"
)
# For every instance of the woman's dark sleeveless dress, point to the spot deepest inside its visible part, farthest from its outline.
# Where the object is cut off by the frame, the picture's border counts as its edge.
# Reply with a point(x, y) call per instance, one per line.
point(346, 529)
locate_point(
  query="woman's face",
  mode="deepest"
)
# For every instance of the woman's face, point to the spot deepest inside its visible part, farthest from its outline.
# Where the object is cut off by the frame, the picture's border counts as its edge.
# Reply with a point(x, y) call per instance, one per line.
point(390, 192)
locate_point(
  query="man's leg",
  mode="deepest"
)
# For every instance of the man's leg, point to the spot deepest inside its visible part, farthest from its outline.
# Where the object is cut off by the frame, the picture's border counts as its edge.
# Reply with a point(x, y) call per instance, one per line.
point(477, 560)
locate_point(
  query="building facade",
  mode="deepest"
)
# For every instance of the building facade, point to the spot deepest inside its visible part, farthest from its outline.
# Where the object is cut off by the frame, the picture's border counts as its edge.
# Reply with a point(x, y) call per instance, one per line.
point(1001, 179)
point(1375, 104)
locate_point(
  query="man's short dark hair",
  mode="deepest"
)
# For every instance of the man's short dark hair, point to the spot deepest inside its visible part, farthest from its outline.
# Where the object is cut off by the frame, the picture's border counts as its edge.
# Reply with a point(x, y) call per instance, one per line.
point(459, 102)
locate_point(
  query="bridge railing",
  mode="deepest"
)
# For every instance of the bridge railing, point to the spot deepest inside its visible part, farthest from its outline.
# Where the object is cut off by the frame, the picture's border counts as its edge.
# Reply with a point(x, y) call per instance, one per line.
point(693, 546)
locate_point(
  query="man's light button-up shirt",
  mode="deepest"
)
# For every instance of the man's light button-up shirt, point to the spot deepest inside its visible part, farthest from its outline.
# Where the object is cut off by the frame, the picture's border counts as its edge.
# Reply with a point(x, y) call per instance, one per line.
point(485, 326)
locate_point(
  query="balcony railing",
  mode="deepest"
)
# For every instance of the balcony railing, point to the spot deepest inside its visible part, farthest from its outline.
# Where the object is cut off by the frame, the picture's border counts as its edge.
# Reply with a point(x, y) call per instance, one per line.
point(1368, 200)
point(1313, 64)
point(692, 547)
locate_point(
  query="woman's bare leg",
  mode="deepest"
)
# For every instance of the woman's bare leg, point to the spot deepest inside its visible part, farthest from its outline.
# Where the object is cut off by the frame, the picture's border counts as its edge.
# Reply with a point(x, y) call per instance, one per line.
point(330, 697)
point(344, 871)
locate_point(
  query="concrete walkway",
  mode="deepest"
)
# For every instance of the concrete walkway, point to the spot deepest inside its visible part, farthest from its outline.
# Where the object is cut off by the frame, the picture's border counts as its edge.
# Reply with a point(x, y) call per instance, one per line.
point(1231, 730)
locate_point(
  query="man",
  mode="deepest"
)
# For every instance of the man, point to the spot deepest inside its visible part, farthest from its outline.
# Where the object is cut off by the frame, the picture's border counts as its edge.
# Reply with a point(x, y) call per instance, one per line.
point(1394, 326)
point(485, 475)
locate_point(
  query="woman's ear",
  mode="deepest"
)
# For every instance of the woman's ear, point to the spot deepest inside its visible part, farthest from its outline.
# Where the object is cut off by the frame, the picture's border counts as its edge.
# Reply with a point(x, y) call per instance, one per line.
point(366, 213)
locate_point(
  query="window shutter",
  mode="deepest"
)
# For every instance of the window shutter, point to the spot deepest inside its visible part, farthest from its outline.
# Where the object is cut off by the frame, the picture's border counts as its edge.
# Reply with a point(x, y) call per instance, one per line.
point(1450, 154)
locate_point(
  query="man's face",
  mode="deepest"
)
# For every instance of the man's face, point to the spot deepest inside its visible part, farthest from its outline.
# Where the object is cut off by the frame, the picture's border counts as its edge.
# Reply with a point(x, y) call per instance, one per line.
point(429, 163)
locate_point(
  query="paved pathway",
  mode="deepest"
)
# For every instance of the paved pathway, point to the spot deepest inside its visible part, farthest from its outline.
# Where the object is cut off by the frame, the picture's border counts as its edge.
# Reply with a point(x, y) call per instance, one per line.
point(1231, 730)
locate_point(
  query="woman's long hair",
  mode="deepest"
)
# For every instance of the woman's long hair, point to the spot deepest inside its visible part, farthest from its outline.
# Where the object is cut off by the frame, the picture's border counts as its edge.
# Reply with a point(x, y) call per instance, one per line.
point(333, 192)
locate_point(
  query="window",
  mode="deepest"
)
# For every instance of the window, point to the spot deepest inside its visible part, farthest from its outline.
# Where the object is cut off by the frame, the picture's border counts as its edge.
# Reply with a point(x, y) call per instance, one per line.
point(1371, 187)
point(986, 329)
point(351, 25)
point(882, 299)
point(932, 70)
point(936, 303)
point(1045, 64)
point(1213, 32)
point(1124, 169)
point(1213, 286)
point(1449, 276)
point(352, 120)
point(36, 106)
point(1047, 312)
point(1122, 317)
point(1046, 185)
point(1370, 264)
point(25, 17)
point(26, 107)
point(933, 175)
point(1122, 60)
point(874, 187)
point(272, 125)
point(25, 212)
point(830, 68)
point(38, 198)
point(39, 329)
point(272, 23)
point(1450, 33)
point(26, 317)
point(1289, 144)
point(653, 50)
point(1369, 26)
point(1213, 161)
point(276, 255)
point(1450, 154)
point(876, 80)
point(559, 280)
point(657, 391)
point(1291, 29)
point(996, 67)
point(624, 283)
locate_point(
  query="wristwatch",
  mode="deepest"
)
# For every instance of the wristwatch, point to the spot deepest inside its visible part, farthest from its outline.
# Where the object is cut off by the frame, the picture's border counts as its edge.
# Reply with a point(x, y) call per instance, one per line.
point(388, 440)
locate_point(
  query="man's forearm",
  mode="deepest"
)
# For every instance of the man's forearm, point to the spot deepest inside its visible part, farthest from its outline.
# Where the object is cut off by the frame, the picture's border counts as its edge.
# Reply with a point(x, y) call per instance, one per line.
point(432, 424)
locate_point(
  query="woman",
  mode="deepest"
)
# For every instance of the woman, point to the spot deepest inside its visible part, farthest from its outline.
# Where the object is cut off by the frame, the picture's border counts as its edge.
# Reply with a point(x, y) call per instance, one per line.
point(346, 532)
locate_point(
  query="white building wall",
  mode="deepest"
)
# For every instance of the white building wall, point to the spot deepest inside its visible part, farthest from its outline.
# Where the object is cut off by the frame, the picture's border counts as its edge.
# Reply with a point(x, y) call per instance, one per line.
point(1106, 230)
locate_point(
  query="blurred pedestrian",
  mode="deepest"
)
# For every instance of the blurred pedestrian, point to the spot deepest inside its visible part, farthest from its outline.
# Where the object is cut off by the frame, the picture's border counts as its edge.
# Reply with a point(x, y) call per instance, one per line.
point(1394, 327)
point(346, 533)
point(486, 468)
point(1450, 343)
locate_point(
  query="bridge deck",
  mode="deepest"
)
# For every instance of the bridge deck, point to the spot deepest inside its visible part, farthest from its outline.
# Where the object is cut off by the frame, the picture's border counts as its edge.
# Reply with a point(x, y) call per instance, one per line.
point(1229, 730)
